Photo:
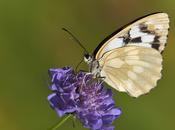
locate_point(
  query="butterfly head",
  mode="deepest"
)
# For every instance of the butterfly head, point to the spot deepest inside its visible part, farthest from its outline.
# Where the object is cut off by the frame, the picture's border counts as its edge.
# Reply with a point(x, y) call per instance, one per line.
point(88, 58)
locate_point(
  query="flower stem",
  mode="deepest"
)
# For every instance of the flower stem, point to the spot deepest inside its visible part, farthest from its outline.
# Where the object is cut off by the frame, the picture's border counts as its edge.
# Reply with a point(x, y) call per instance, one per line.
point(60, 123)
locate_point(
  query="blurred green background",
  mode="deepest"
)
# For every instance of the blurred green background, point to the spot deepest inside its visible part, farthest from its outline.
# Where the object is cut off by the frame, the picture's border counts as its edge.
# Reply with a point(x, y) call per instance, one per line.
point(31, 41)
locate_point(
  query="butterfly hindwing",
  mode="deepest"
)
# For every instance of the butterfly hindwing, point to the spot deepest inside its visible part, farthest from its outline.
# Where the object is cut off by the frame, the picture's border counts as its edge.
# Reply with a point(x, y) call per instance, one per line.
point(134, 70)
point(131, 59)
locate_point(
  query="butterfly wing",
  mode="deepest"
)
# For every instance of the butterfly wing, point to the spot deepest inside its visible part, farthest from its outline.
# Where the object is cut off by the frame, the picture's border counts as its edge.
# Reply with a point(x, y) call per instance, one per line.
point(131, 60)
point(133, 69)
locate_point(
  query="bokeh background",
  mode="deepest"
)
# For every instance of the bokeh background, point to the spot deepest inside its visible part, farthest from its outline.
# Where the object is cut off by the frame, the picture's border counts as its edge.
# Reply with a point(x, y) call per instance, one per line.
point(31, 41)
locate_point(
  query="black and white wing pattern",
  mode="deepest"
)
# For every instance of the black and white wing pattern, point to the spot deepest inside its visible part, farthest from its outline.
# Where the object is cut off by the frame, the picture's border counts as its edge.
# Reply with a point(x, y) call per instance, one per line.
point(131, 59)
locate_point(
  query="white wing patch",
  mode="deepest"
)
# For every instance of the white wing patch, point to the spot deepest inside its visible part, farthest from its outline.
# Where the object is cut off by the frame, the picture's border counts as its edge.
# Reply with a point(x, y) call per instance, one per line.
point(115, 43)
point(135, 32)
point(147, 38)
point(134, 70)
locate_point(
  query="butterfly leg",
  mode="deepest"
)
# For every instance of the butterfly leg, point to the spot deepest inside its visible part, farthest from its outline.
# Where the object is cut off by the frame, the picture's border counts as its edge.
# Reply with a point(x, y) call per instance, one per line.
point(98, 76)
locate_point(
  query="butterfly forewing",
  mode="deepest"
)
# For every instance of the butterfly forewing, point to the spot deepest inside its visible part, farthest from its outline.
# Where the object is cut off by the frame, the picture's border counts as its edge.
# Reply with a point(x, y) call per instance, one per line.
point(150, 31)
point(131, 60)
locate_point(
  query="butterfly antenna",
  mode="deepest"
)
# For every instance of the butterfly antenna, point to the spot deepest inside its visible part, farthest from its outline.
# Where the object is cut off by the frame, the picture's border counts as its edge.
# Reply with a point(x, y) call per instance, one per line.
point(79, 43)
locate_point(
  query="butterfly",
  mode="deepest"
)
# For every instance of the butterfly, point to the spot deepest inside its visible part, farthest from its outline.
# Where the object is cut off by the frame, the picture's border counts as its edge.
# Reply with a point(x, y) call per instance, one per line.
point(130, 60)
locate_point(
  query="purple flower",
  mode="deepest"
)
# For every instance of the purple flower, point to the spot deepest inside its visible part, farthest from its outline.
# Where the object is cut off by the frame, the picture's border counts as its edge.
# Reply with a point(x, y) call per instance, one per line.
point(84, 96)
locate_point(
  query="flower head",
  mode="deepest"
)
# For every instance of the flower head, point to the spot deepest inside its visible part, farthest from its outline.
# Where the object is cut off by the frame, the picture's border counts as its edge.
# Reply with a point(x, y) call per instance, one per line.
point(84, 96)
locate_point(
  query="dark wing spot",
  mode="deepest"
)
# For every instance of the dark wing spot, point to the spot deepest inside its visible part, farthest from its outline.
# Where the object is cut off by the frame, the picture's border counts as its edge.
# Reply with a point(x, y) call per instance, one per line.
point(156, 43)
point(136, 40)
point(144, 29)
point(156, 39)
point(155, 46)
point(149, 32)
point(127, 38)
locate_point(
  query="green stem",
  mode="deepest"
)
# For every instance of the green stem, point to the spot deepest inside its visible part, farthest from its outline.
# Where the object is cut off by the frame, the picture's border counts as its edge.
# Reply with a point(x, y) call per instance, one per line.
point(60, 123)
